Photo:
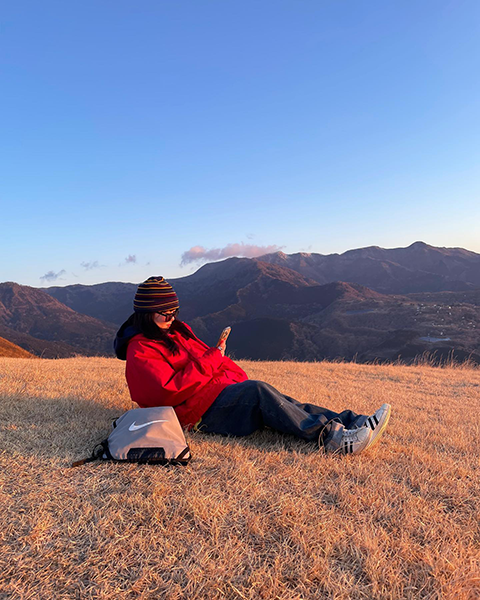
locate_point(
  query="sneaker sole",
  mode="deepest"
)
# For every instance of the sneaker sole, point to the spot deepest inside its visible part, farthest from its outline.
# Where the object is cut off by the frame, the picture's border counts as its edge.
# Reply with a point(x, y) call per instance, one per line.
point(376, 436)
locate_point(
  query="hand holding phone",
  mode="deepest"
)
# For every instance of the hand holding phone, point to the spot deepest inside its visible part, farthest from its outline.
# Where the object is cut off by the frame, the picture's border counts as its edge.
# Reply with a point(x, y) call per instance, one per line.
point(222, 340)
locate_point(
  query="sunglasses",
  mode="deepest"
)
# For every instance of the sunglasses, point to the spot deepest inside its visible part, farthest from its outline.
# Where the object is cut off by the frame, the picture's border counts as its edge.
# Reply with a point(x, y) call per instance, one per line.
point(169, 315)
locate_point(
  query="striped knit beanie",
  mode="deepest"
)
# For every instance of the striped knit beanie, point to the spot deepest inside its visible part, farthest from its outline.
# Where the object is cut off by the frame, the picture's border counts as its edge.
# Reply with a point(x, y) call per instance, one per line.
point(155, 295)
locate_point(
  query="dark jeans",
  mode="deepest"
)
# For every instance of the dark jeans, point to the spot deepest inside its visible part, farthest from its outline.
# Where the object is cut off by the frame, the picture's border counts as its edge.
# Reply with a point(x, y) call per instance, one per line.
point(242, 408)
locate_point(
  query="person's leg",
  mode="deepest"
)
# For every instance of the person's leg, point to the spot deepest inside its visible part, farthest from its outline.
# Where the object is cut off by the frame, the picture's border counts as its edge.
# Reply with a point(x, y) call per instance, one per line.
point(243, 408)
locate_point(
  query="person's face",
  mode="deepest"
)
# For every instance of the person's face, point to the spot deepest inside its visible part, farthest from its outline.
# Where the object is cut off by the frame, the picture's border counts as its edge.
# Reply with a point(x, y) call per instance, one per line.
point(164, 319)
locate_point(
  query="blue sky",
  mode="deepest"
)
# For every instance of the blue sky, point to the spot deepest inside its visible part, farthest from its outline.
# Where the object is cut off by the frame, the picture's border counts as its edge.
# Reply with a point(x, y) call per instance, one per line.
point(134, 132)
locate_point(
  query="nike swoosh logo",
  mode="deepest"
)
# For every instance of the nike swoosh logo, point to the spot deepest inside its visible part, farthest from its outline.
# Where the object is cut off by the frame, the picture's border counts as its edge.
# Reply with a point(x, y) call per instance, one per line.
point(134, 427)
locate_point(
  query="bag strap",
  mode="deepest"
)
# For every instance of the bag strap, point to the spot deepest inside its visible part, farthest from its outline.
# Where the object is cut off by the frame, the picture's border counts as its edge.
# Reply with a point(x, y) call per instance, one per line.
point(182, 458)
point(96, 454)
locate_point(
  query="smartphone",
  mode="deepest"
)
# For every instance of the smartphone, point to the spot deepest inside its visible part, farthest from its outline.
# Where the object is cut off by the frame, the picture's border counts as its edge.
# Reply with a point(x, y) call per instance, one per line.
point(224, 335)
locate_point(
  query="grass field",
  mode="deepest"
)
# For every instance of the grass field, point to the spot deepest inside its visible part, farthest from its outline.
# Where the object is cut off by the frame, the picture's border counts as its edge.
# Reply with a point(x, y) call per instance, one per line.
point(264, 517)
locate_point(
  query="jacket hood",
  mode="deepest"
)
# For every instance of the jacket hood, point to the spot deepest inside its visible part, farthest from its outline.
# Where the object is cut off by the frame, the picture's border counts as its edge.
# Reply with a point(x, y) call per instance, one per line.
point(124, 335)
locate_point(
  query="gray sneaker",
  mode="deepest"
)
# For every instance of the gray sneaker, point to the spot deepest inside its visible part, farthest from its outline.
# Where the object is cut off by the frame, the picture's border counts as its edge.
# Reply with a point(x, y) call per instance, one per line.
point(377, 423)
point(352, 441)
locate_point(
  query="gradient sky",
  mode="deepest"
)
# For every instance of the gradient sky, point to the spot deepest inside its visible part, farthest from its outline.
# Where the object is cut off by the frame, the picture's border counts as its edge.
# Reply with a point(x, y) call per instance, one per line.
point(137, 135)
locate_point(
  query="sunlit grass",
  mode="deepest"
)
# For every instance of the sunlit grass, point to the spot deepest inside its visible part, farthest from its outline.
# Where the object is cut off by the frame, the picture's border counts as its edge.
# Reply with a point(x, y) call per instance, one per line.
point(265, 517)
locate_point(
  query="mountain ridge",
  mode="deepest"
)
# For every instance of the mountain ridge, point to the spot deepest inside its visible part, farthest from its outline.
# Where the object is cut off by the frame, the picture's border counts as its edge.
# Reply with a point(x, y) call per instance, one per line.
point(278, 311)
point(415, 268)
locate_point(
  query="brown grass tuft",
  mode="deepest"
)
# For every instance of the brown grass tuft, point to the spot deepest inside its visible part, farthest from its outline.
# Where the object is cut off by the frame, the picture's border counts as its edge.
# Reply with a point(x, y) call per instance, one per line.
point(260, 517)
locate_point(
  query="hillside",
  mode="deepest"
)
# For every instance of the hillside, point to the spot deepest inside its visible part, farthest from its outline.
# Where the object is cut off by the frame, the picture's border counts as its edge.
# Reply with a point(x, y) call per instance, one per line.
point(7, 349)
point(32, 312)
point(259, 517)
point(111, 302)
point(37, 346)
point(210, 289)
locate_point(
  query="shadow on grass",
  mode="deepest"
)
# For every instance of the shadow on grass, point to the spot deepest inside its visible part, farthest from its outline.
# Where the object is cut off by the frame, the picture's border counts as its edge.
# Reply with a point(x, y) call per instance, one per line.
point(68, 428)
point(63, 428)
point(265, 440)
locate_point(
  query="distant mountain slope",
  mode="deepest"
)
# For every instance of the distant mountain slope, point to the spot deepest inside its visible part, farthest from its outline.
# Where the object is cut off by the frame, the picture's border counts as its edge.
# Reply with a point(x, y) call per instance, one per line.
point(246, 283)
point(210, 289)
point(272, 320)
point(417, 268)
point(31, 311)
point(447, 298)
point(108, 302)
point(12, 350)
point(252, 295)
point(39, 347)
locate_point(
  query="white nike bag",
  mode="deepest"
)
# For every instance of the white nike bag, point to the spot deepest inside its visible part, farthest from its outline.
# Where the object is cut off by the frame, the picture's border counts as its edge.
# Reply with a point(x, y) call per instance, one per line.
point(144, 435)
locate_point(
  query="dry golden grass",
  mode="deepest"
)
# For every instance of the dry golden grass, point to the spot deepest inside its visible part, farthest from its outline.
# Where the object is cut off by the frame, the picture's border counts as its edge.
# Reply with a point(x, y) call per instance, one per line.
point(260, 517)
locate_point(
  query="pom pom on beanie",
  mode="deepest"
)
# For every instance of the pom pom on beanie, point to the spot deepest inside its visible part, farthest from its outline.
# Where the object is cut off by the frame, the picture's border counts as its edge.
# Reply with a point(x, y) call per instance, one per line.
point(154, 295)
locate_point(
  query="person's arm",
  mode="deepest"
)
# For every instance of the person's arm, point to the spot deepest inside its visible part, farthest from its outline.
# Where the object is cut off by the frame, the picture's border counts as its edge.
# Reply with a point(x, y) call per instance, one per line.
point(154, 380)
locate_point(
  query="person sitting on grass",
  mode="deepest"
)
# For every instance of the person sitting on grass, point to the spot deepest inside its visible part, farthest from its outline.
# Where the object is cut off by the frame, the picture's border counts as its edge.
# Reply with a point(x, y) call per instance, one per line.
point(168, 365)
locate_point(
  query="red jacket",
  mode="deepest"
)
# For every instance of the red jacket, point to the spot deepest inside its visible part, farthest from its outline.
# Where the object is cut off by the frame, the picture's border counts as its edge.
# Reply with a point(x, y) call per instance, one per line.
point(189, 381)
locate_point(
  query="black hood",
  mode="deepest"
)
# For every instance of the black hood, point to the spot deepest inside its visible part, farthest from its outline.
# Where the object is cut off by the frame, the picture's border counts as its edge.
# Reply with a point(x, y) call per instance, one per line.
point(124, 335)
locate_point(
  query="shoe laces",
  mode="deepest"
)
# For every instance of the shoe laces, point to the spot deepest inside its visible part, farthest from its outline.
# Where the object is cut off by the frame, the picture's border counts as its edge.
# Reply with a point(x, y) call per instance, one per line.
point(351, 433)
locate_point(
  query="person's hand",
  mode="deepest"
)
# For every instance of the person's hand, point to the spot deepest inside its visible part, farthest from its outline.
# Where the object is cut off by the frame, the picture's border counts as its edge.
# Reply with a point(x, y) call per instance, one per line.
point(222, 346)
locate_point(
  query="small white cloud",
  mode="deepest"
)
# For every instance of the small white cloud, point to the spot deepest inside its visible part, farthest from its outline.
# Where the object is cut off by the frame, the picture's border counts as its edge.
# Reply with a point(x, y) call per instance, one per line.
point(88, 266)
point(131, 259)
point(52, 276)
